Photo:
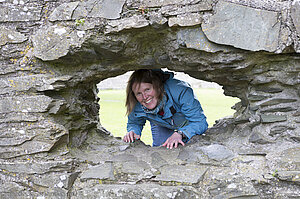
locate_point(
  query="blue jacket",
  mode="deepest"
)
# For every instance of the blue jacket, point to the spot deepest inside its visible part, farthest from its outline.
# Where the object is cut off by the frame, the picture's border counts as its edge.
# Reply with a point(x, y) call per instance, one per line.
point(182, 111)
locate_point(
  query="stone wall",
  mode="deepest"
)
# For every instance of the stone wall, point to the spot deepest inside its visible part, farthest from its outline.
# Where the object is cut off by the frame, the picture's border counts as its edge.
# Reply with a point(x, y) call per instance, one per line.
point(53, 53)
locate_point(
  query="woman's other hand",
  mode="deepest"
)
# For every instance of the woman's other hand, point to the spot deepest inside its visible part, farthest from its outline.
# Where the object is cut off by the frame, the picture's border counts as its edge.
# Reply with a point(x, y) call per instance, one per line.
point(173, 140)
point(131, 136)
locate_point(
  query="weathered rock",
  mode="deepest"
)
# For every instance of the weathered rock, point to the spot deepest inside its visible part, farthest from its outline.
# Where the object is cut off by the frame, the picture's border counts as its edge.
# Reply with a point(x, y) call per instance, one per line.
point(63, 12)
point(243, 27)
point(186, 20)
point(295, 15)
point(10, 36)
point(217, 152)
point(268, 118)
point(32, 104)
point(195, 39)
point(171, 10)
point(127, 23)
point(136, 191)
point(102, 172)
point(187, 174)
point(55, 42)
point(18, 11)
point(109, 9)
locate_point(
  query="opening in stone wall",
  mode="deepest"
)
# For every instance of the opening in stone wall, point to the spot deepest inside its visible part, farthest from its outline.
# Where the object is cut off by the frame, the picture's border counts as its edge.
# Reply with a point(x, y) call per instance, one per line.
point(112, 93)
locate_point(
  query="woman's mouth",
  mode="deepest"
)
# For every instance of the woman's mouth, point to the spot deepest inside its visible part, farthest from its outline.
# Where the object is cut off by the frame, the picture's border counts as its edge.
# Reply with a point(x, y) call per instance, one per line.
point(148, 101)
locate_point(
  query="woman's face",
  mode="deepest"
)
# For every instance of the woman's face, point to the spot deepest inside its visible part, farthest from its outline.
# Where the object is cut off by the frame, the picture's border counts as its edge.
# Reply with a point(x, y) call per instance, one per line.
point(145, 94)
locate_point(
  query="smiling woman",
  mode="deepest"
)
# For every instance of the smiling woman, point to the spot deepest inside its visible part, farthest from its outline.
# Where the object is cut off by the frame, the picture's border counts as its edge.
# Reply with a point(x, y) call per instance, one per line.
point(112, 111)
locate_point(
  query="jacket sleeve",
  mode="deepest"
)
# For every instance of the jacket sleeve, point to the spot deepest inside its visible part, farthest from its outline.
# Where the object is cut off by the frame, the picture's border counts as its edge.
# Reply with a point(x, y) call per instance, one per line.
point(192, 110)
point(135, 124)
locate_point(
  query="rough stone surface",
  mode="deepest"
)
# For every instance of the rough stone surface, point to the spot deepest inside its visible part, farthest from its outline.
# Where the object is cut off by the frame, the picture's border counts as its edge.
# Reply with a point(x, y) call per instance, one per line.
point(194, 38)
point(54, 53)
point(10, 36)
point(243, 27)
point(295, 15)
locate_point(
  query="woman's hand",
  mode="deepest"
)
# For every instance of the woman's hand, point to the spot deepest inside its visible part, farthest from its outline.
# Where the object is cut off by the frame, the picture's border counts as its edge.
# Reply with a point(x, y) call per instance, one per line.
point(176, 138)
point(131, 136)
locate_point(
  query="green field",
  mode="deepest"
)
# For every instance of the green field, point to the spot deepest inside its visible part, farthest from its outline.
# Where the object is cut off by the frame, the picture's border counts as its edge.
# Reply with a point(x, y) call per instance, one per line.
point(113, 118)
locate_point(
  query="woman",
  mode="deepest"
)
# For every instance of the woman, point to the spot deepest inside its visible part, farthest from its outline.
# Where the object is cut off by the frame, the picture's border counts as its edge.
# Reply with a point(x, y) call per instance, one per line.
point(169, 104)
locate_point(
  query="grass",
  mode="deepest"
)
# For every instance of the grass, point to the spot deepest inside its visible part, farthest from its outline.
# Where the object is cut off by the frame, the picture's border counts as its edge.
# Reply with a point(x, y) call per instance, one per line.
point(113, 118)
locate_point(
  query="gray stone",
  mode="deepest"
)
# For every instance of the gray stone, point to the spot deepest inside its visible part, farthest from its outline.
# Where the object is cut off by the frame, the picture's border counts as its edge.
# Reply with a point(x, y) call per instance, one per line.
point(172, 10)
point(54, 42)
point(278, 130)
point(135, 167)
point(40, 82)
point(258, 138)
point(127, 23)
point(190, 19)
point(189, 174)
point(256, 97)
point(31, 104)
point(13, 13)
point(295, 10)
point(291, 176)
point(290, 158)
point(275, 101)
point(63, 12)
point(109, 9)
point(102, 172)
point(268, 118)
point(157, 161)
point(217, 152)
point(10, 36)
point(124, 157)
point(38, 168)
point(281, 109)
point(243, 27)
point(195, 39)
point(159, 3)
point(146, 190)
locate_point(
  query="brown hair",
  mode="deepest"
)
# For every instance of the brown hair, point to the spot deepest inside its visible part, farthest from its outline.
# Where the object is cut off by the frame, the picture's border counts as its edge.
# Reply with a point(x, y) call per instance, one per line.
point(143, 76)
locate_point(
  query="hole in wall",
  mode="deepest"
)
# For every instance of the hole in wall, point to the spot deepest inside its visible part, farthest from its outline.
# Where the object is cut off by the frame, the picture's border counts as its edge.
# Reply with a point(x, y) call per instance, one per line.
point(112, 93)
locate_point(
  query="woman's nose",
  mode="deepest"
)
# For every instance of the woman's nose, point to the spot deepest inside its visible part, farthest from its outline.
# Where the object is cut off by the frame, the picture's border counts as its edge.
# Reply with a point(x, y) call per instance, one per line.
point(144, 96)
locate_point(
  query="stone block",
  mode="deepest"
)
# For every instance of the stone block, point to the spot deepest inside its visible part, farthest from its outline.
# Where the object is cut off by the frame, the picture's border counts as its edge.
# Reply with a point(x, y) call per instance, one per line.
point(135, 167)
point(217, 152)
point(188, 174)
point(102, 172)
point(194, 38)
point(190, 19)
point(276, 101)
point(20, 12)
point(291, 176)
point(53, 42)
point(63, 12)
point(109, 9)
point(295, 10)
point(25, 104)
point(10, 36)
point(268, 118)
point(160, 3)
point(173, 10)
point(243, 27)
point(135, 21)
point(145, 190)
point(38, 167)
point(288, 159)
